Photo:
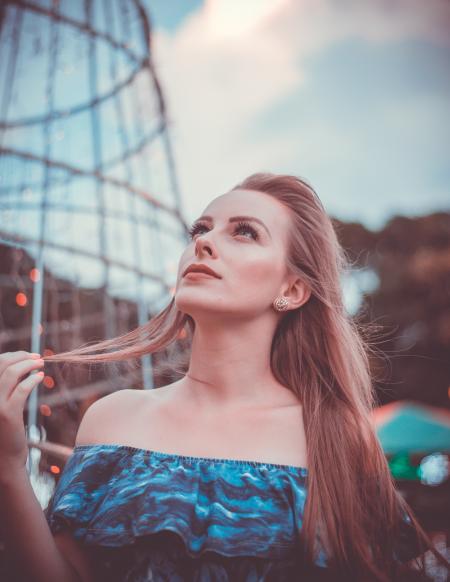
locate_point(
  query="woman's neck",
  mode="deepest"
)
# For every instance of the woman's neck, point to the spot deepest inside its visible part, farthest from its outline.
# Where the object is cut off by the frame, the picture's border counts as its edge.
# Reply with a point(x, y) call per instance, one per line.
point(230, 366)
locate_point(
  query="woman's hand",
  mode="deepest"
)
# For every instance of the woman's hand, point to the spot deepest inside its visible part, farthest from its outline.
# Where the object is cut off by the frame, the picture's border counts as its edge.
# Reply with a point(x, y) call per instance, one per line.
point(16, 385)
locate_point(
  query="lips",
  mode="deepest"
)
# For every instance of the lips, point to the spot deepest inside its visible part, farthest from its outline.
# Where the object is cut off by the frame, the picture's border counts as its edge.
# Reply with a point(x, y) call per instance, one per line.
point(201, 269)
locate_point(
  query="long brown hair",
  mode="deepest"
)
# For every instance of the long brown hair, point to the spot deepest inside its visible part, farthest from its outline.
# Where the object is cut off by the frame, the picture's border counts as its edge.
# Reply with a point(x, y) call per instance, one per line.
point(353, 509)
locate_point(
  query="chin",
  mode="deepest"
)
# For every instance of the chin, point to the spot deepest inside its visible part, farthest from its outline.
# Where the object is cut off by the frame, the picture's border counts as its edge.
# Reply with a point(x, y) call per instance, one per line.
point(189, 302)
point(196, 303)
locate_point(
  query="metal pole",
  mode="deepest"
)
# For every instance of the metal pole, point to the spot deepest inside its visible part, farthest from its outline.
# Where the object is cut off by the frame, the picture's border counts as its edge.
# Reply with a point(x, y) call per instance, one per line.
point(33, 429)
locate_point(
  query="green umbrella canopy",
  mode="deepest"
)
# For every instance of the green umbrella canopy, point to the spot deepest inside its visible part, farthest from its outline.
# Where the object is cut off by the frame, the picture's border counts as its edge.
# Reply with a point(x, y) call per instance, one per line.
point(409, 427)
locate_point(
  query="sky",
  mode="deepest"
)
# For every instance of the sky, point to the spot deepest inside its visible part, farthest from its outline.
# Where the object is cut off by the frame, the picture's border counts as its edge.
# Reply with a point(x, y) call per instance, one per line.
point(351, 95)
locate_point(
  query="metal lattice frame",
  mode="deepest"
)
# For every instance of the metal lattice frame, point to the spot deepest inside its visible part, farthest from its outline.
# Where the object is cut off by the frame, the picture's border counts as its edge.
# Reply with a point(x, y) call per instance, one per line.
point(112, 39)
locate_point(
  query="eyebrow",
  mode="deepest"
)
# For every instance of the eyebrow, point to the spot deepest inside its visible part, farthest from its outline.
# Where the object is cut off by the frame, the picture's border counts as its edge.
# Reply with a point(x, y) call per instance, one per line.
point(237, 219)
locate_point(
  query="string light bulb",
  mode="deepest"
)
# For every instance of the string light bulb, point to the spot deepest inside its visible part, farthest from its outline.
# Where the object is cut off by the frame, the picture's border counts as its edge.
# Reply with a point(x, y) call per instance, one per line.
point(45, 410)
point(48, 382)
point(34, 275)
point(21, 299)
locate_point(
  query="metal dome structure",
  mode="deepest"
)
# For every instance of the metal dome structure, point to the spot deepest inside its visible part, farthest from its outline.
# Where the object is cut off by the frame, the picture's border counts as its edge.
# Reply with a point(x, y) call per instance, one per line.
point(88, 185)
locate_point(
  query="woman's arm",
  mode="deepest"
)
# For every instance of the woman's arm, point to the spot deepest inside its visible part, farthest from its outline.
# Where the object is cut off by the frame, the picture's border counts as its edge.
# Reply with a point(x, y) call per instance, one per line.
point(35, 553)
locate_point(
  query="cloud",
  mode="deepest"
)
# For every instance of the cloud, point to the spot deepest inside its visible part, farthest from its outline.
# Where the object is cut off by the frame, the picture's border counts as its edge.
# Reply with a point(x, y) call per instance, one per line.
point(231, 63)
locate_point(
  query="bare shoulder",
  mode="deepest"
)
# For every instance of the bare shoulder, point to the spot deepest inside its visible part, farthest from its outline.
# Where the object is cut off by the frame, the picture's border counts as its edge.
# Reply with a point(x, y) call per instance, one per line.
point(102, 420)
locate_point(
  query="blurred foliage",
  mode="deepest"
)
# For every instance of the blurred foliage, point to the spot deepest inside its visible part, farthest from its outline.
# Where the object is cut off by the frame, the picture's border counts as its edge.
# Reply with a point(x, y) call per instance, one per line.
point(411, 258)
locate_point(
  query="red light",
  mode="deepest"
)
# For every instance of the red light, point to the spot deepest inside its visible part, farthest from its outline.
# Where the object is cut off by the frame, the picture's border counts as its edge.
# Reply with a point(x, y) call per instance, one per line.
point(48, 382)
point(45, 410)
point(55, 469)
point(34, 275)
point(21, 299)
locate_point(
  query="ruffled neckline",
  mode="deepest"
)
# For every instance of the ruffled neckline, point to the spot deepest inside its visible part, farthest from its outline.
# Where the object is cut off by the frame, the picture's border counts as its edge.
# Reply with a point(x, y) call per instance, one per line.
point(116, 494)
point(190, 458)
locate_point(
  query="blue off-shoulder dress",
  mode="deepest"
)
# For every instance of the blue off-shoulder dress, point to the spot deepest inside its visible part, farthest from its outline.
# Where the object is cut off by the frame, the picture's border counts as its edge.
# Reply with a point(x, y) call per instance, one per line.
point(144, 516)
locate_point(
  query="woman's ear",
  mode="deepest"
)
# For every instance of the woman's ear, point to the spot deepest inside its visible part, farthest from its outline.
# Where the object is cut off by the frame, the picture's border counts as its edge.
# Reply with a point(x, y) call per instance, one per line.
point(297, 293)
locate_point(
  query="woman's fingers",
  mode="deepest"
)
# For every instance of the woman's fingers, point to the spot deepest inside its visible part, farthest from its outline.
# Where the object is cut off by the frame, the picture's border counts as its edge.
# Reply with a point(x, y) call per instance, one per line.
point(14, 390)
point(8, 358)
point(13, 372)
point(23, 390)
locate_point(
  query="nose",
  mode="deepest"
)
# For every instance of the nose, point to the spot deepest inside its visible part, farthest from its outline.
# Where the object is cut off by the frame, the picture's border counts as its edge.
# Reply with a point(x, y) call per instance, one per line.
point(202, 244)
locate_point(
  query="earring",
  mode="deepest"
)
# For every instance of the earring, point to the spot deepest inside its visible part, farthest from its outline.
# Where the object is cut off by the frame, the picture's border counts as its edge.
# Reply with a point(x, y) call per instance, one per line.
point(281, 304)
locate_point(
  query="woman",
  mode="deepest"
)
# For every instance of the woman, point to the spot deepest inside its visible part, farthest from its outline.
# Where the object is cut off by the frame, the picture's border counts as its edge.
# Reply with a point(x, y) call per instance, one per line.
point(261, 462)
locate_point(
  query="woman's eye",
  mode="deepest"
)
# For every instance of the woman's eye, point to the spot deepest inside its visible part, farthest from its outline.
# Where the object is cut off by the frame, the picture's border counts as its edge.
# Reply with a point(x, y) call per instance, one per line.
point(240, 227)
point(194, 229)
point(245, 227)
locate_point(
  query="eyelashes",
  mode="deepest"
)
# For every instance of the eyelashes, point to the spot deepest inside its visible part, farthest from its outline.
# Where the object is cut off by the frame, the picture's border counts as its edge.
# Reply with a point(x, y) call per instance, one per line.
point(240, 226)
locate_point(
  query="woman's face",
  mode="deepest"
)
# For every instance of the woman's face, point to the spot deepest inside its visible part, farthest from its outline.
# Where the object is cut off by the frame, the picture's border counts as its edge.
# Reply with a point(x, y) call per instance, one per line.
point(250, 257)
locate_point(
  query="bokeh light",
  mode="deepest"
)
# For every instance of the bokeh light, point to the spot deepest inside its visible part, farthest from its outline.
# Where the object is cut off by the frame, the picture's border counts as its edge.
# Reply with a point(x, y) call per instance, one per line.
point(35, 275)
point(45, 410)
point(21, 299)
point(48, 382)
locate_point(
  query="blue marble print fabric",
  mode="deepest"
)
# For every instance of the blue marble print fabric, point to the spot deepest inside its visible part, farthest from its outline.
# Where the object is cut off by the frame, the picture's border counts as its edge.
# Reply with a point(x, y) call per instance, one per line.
point(151, 516)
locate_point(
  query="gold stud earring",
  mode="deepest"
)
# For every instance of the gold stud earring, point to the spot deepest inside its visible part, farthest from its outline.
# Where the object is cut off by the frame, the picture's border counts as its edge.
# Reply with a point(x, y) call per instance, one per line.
point(281, 304)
